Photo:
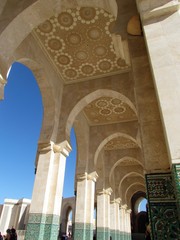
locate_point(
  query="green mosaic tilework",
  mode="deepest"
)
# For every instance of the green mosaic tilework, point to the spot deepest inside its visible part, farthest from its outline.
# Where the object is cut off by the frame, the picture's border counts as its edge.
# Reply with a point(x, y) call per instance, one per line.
point(160, 187)
point(113, 234)
point(121, 235)
point(176, 177)
point(162, 207)
point(42, 227)
point(117, 234)
point(103, 233)
point(128, 236)
point(83, 231)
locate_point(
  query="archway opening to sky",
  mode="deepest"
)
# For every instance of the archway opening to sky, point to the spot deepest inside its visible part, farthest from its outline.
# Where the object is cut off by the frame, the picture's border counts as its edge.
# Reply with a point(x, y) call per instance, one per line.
point(69, 179)
point(21, 114)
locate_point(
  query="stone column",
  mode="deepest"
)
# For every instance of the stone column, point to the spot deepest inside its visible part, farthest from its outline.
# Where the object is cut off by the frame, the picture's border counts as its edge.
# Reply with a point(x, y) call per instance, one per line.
point(44, 215)
point(7, 218)
point(128, 223)
point(123, 222)
point(103, 214)
point(117, 204)
point(23, 206)
point(85, 206)
point(114, 219)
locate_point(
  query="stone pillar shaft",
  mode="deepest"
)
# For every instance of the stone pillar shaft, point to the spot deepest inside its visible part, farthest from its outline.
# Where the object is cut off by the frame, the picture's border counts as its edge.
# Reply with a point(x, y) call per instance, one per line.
point(128, 223)
point(103, 214)
point(44, 215)
point(123, 222)
point(84, 207)
point(114, 217)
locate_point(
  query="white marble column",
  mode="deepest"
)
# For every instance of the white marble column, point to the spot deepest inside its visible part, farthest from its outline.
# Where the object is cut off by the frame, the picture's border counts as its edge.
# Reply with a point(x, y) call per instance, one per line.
point(45, 208)
point(114, 219)
point(103, 214)
point(21, 213)
point(123, 221)
point(128, 223)
point(7, 217)
point(85, 206)
point(118, 201)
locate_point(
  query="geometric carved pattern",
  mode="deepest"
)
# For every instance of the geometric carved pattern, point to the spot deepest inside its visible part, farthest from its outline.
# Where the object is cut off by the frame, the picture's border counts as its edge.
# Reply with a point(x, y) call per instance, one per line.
point(162, 207)
point(79, 43)
point(129, 162)
point(106, 110)
point(120, 143)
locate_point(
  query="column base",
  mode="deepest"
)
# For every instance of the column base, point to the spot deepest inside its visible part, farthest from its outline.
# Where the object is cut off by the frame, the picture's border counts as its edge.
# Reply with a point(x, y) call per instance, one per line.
point(113, 234)
point(103, 233)
point(83, 231)
point(42, 227)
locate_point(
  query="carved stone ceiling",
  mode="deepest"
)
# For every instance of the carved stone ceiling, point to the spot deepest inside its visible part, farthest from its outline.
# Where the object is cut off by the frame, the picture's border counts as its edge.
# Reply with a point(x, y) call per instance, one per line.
point(120, 143)
point(108, 110)
point(79, 44)
point(129, 162)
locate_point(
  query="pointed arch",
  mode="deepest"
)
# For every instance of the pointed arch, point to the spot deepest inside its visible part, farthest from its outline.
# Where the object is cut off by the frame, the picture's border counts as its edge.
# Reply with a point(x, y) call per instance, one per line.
point(119, 162)
point(127, 175)
point(91, 97)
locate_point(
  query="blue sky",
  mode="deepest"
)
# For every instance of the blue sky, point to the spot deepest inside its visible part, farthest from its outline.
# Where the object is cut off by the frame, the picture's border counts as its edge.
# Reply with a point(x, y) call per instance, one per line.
point(21, 114)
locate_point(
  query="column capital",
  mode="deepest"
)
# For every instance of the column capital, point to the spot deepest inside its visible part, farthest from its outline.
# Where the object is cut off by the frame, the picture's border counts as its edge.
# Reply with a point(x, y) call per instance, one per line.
point(63, 148)
point(116, 200)
point(92, 176)
point(107, 191)
point(82, 176)
point(44, 147)
point(123, 206)
point(129, 211)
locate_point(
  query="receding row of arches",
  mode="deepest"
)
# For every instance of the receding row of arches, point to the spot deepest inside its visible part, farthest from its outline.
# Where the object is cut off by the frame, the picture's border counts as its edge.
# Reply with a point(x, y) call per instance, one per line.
point(100, 76)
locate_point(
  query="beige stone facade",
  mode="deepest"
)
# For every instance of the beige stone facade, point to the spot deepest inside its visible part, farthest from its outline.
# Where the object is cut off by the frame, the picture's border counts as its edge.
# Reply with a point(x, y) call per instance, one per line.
point(110, 69)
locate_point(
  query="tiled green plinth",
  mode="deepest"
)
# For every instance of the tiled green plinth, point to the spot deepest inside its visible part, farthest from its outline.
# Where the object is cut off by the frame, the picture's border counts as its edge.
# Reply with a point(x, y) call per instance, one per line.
point(83, 231)
point(113, 234)
point(42, 227)
point(162, 207)
point(103, 233)
point(176, 177)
